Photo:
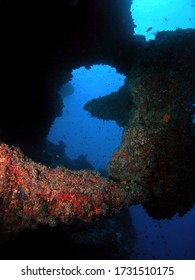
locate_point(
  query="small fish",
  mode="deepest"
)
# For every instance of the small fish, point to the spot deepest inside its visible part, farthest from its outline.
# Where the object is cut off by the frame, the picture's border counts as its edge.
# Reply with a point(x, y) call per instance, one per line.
point(150, 28)
point(165, 19)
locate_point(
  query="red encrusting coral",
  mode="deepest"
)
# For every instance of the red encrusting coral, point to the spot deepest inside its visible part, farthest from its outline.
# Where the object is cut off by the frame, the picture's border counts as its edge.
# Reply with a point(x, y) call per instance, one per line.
point(166, 117)
point(31, 193)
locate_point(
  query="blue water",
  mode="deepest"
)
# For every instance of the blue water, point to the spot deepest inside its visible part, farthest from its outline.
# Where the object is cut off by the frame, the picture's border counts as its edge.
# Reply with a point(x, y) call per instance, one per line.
point(82, 134)
point(162, 16)
point(165, 239)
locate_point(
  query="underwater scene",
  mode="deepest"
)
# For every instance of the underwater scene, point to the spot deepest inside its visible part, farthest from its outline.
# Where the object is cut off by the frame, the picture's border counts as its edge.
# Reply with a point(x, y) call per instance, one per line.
point(97, 130)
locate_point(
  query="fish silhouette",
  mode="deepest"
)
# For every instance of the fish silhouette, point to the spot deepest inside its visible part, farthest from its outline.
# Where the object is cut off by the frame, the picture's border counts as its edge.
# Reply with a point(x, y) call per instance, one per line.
point(150, 28)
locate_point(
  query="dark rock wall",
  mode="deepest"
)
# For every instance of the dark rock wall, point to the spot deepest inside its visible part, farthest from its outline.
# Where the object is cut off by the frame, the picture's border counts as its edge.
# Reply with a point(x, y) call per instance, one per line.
point(158, 146)
point(115, 106)
point(41, 42)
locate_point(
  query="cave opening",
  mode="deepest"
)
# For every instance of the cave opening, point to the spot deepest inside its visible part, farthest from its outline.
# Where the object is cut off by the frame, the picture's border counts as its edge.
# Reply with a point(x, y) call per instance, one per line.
point(83, 136)
point(151, 16)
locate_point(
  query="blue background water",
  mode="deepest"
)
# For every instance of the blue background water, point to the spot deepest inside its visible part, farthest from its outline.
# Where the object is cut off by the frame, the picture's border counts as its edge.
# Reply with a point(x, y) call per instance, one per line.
point(162, 16)
point(81, 133)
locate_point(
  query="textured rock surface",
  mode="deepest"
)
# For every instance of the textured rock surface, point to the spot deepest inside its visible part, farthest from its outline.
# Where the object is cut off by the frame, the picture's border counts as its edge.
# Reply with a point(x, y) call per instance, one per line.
point(115, 106)
point(32, 194)
point(158, 146)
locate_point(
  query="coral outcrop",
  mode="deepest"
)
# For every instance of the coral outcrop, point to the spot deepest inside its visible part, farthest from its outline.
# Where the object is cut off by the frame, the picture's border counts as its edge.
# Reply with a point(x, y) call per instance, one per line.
point(32, 194)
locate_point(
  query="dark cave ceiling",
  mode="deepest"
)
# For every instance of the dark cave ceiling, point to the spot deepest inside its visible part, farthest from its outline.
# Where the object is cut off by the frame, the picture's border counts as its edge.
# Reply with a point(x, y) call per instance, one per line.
point(41, 42)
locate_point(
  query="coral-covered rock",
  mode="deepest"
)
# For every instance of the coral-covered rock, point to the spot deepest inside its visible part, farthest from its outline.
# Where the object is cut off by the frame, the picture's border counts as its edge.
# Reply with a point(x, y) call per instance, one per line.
point(31, 193)
point(158, 147)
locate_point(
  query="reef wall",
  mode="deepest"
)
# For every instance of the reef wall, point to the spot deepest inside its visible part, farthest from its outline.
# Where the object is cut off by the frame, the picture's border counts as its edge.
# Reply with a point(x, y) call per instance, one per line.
point(158, 146)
